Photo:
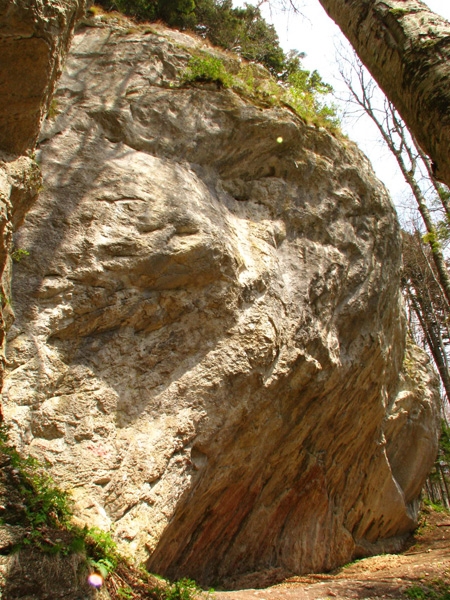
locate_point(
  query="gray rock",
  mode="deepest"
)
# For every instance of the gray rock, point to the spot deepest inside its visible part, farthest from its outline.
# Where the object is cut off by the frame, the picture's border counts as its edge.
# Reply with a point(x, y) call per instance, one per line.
point(34, 38)
point(209, 333)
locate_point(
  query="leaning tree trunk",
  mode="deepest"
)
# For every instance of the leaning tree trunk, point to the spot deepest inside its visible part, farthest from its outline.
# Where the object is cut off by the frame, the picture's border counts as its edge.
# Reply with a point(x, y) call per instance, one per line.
point(406, 47)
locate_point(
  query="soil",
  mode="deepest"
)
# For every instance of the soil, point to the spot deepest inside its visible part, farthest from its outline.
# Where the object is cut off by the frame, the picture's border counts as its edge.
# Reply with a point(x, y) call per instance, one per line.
point(425, 564)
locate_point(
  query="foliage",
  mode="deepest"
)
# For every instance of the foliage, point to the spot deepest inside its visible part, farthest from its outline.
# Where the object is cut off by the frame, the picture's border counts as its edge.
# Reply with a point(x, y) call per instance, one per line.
point(53, 110)
point(184, 589)
point(240, 30)
point(437, 488)
point(18, 254)
point(44, 511)
point(302, 91)
point(43, 503)
point(208, 69)
point(434, 590)
point(441, 234)
point(125, 592)
point(435, 506)
point(173, 12)
point(305, 93)
point(243, 31)
point(101, 550)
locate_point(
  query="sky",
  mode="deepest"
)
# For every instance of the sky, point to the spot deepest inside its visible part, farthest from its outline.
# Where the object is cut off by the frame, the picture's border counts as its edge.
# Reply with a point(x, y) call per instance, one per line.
point(314, 33)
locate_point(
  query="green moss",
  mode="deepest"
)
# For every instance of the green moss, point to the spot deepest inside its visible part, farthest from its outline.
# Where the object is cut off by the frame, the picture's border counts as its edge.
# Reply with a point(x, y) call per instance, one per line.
point(399, 12)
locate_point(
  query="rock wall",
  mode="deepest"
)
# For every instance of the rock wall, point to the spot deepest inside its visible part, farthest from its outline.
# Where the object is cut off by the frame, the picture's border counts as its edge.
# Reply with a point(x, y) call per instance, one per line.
point(34, 38)
point(209, 333)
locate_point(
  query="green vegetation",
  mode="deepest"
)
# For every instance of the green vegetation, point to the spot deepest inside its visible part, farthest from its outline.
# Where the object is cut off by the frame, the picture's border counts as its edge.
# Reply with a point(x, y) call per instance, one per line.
point(177, 13)
point(441, 235)
point(208, 69)
point(184, 589)
point(18, 254)
point(444, 443)
point(31, 501)
point(242, 31)
point(305, 93)
point(435, 506)
point(53, 110)
point(302, 92)
point(43, 504)
point(436, 492)
point(434, 590)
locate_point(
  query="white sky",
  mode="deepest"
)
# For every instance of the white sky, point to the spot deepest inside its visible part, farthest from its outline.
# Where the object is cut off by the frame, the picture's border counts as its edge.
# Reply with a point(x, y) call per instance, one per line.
point(316, 34)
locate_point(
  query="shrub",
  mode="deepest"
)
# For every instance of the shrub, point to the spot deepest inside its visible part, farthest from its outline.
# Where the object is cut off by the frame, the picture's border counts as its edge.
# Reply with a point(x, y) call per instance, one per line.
point(245, 32)
point(207, 69)
point(43, 503)
point(306, 92)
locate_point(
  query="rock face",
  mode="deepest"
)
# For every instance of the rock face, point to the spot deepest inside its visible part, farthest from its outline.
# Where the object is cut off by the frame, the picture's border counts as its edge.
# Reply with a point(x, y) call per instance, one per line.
point(20, 182)
point(209, 329)
point(34, 37)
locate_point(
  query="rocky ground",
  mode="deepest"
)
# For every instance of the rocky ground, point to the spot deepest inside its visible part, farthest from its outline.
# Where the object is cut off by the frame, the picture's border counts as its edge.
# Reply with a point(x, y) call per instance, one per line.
point(421, 572)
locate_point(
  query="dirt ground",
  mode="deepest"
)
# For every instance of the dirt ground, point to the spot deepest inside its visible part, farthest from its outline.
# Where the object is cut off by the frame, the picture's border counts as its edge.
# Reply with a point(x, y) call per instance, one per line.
point(426, 563)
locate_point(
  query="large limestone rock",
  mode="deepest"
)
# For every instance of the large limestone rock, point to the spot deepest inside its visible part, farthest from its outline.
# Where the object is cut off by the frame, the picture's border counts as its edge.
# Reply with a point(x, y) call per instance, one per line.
point(20, 182)
point(34, 38)
point(209, 329)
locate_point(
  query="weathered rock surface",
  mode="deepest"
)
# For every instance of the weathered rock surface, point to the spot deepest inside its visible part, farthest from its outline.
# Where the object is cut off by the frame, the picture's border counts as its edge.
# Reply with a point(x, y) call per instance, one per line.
point(20, 182)
point(34, 37)
point(209, 329)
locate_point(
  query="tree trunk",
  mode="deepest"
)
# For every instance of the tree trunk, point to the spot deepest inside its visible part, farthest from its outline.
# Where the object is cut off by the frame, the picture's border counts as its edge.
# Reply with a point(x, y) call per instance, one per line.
point(436, 347)
point(406, 47)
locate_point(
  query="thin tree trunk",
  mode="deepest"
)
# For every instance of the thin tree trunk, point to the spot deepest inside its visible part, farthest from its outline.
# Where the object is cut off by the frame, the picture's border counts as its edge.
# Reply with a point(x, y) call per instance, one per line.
point(390, 127)
point(440, 191)
point(433, 342)
point(406, 47)
point(429, 488)
point(441, 487)
point(438, 256)
point(444, 480)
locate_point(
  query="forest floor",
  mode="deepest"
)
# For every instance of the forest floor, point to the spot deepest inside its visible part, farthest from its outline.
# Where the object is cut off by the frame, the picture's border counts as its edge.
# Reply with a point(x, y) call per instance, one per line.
point(422, 572)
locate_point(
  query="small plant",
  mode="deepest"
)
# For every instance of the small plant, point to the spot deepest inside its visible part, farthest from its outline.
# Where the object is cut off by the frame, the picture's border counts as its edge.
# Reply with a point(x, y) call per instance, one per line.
point(4, 300)
point(432, 590)
point(18, 254)
point(94, 10)
point(125, 592)
point(436, 506)
point(303, 91)
point(207, 69)
point(53, 109)
point(304, 94)
point(44, 504)
point(416, 592)
point(102, 551)
point(184, 589)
